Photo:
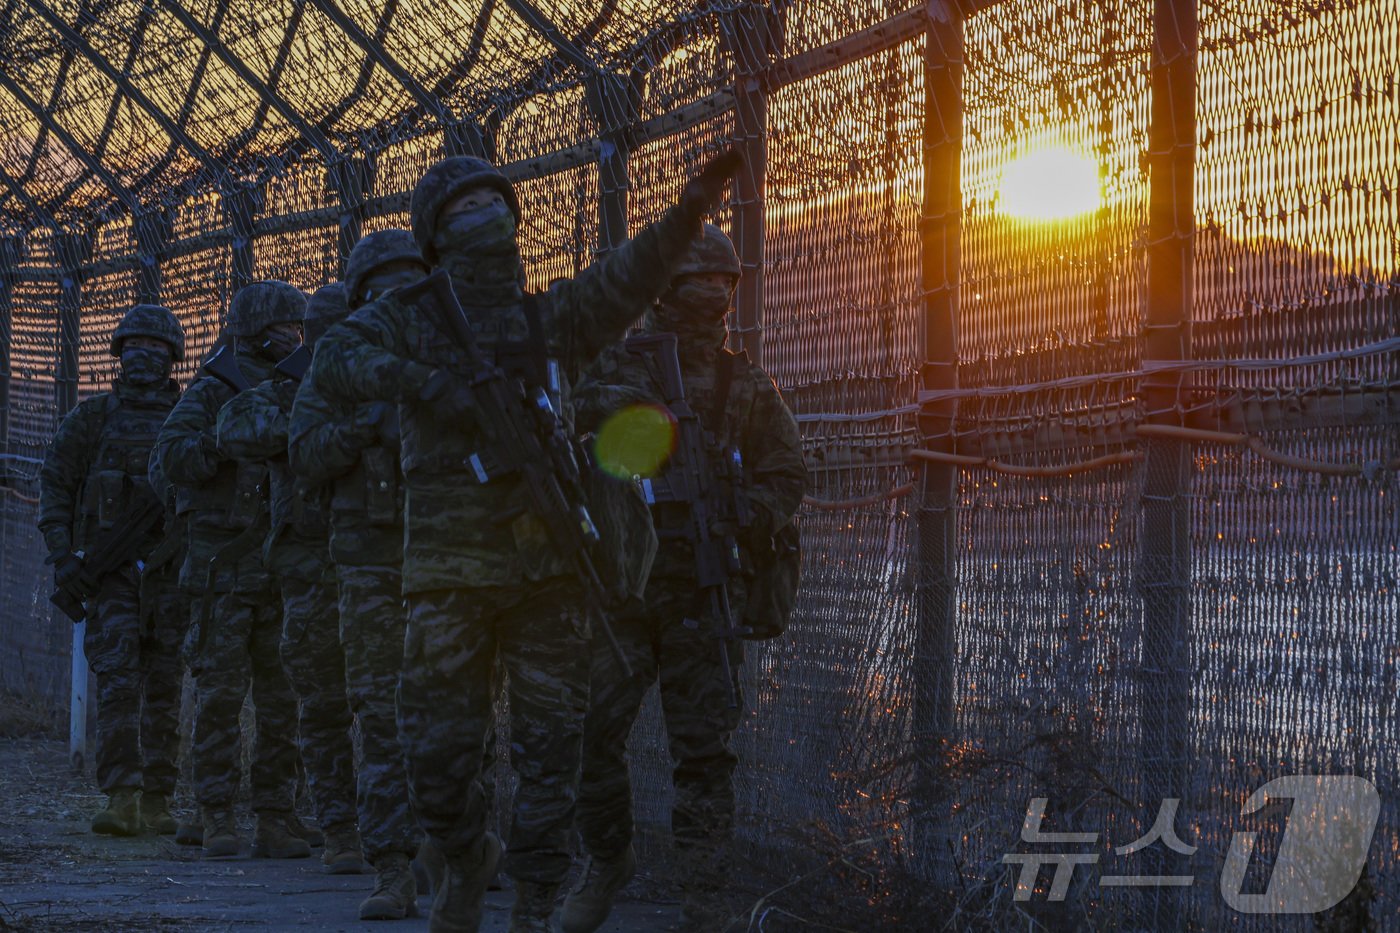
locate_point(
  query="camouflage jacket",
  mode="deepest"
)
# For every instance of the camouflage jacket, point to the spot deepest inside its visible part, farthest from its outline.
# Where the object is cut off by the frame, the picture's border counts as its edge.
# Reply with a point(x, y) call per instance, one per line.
point(253, 426)
point(218, 495)
point(344, 445)
point(459, 533)
point(755, 420)
point(98, 456)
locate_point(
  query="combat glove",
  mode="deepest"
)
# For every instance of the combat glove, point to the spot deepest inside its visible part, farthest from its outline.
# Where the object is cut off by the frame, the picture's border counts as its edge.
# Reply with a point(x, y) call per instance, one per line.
point(704, 193)
point(67, 568)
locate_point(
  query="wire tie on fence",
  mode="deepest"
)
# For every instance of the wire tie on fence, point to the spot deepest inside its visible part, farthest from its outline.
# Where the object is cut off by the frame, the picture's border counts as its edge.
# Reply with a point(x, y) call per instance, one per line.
point(1257, 446)
point(837, 505)
point(1012, 469)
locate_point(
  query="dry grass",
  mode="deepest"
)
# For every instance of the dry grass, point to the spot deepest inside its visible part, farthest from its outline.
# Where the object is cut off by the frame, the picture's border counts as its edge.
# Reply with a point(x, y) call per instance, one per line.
point(26, 718)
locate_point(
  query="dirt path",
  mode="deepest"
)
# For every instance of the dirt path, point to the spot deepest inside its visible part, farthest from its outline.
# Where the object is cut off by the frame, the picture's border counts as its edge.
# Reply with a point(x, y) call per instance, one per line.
point(56, 875)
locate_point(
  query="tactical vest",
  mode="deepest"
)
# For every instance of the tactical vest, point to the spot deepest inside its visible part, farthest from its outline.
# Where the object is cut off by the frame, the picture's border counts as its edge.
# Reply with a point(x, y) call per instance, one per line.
point(122, 460)
point(303, 509)
point(514, 340)
point(371, 490)
point(772, 569)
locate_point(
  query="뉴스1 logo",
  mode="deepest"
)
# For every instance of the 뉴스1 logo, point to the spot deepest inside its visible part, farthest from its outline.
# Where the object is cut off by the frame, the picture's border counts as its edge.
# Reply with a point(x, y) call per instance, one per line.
point(1320, 858)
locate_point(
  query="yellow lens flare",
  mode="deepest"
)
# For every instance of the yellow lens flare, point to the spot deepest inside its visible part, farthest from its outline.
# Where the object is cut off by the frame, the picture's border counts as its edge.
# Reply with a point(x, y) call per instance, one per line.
point(635, 441)
point(1054, 183)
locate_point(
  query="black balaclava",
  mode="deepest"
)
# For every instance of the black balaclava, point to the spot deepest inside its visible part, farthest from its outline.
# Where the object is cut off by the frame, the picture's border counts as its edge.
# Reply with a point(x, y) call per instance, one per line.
point(479, 251)
point(694, 311)
point(145, 366)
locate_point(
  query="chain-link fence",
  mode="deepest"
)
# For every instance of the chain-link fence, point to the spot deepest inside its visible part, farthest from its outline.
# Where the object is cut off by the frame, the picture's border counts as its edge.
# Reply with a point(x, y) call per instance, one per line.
point(1104, 502)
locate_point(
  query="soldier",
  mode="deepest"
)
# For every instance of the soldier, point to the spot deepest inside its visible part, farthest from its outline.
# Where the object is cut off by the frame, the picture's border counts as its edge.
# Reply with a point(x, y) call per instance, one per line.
point(355, 449)
point(93, 474)
point(738, 405)
point(252, 426)
point(239, 626)
point(481, 573)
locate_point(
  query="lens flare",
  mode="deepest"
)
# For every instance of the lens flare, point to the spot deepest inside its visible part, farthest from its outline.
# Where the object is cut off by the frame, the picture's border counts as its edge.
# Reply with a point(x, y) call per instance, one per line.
point(1055, 183)
point(635, 441)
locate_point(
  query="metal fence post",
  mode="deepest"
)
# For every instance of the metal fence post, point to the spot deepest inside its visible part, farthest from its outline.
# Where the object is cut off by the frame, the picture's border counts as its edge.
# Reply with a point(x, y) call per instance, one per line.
point(1164, 566)
point(153, 232)
point(73, 249)
point(351, 180)
point(749, 35)
point(241, 206)
point(613, 107)
point(936, 524)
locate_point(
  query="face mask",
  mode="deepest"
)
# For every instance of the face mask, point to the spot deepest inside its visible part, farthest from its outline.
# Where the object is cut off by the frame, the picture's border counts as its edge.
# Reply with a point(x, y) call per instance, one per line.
point(700, 299)
point(478, 249)
point(144, 366)
point(376, 285)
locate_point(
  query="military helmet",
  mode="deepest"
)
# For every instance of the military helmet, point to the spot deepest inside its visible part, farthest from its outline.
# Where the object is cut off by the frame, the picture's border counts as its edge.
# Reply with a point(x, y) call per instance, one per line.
point(443, 182)
point(258, 306)
point(151, 321)
point(325, 309)
point(374, 251)
point(713, 252)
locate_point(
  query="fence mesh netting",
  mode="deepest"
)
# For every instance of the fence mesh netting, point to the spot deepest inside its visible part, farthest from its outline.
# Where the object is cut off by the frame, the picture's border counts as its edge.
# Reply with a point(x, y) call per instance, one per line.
point(1108, 578)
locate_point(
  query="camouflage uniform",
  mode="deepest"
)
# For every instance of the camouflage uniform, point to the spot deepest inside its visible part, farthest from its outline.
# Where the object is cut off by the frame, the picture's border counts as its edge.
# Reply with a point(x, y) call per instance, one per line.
point(660, 648)
point(477, 585)
point(253, 427)
point(97, 460)
point(222, 498)
point(354, 449)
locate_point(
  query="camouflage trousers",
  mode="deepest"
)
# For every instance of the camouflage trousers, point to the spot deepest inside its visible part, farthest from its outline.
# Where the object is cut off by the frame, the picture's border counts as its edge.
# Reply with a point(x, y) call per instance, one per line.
point(447, 710)
point(372, 622)
point(239, 651)
point(699, 723)
point(138, 672)
point(315, 667)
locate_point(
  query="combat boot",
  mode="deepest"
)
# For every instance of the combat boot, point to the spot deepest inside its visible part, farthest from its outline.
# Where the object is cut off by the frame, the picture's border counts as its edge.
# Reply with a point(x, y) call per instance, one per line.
point(342, 855)
point(274, 838)
point(155, 813)
point(121, 816)
point(588, 905)
point(395, 890)
point(313, 836)
point(534, 907)
point(219, 836)
point(457, 904)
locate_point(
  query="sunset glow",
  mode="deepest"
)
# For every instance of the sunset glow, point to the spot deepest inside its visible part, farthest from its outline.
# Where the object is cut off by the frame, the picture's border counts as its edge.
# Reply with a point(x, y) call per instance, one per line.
point(1049, 184)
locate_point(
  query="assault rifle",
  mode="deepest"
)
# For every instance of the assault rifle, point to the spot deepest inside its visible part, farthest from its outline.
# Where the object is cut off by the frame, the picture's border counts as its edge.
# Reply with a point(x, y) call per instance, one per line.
point(116, 548)
point(223, 366)
point(710, 488)
point(526, 437)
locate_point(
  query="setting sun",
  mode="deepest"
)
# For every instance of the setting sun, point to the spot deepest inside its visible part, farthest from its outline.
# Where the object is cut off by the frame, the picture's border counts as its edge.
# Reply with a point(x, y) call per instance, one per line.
point(1049, 184)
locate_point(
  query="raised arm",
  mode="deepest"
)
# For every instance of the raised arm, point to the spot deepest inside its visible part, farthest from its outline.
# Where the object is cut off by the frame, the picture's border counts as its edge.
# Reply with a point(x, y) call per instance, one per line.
point(598, 306)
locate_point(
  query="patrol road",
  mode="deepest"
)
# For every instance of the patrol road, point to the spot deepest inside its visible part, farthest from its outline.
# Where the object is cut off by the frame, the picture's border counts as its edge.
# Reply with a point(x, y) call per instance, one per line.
point(55, 875)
